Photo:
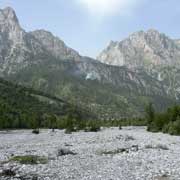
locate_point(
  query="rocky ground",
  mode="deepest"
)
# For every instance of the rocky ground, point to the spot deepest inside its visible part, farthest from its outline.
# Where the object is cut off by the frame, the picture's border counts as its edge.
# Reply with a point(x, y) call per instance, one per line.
point(111, 154)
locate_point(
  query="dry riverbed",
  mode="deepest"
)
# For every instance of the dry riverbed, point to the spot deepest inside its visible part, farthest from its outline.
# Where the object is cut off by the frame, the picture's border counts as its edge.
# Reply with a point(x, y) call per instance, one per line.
point(111, 154)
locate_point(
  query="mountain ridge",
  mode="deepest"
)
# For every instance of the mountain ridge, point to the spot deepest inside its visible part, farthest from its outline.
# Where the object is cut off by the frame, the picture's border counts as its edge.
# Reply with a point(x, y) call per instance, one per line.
point(158, 47)
point(44, 62)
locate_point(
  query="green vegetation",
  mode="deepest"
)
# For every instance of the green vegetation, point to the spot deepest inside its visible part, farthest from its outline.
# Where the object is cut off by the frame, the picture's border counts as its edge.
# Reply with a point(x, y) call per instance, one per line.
point(124, 122)
point(114, 152)
point(93, 126)
point(167, 122)
point(22, 107)
point(72, 125)
point(30, 159)
point(61, 78)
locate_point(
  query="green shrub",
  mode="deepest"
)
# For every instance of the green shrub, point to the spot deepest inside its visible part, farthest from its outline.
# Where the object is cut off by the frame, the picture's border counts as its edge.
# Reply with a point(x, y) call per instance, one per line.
point(35, 131)
point(30, 159)
point(93, 126)
point(167, 122)
point(174, 128)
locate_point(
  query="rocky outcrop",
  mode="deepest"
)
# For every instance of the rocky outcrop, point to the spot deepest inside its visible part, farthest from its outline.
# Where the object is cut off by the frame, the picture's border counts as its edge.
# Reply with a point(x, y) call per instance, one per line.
point(16, 46)
point(151, 52)
point(142, 50)
point(54, 45)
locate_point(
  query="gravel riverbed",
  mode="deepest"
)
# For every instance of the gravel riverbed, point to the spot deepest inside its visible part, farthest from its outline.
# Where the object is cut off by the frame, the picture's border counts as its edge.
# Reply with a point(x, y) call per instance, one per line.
point(111, 154)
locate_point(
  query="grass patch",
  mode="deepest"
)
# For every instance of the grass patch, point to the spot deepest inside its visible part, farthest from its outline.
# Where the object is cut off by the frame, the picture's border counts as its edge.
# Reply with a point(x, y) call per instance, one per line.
point(114, 152)
point(30, 159)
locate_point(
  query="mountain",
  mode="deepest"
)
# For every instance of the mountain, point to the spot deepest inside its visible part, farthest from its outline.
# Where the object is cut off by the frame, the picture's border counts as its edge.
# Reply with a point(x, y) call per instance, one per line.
point(142, 49)
point(54, 45)
point(43, 62)
point(17, 47)
point(154, 52)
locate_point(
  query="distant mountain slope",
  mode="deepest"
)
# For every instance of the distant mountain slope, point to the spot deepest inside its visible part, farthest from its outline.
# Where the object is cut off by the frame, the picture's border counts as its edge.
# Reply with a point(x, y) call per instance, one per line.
point(21, 106)
point(54, 45)
point(152, 52)
point(122, 94)
point(142, 49)
point(42, 61)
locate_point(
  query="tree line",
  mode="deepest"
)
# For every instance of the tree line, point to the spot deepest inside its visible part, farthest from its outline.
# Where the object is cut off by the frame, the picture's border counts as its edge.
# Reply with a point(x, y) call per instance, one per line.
point(166, 122)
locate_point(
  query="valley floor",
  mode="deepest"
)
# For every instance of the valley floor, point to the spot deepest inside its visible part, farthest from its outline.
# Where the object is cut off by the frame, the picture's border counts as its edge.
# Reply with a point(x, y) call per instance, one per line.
point(111, 154)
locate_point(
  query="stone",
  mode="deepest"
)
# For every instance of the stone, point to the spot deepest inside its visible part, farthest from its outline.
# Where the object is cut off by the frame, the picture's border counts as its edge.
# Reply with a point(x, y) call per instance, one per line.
point(64, 152)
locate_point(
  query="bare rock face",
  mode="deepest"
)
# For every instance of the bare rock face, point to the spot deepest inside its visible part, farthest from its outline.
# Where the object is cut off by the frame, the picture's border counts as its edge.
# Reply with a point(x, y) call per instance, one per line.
point(151, 52)
point(142, 50)
point(16, 46)
point(9, 24)
point(54, 45)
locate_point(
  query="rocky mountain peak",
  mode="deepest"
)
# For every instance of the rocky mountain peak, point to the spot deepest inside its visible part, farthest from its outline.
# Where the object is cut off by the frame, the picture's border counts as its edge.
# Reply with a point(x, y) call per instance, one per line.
point(9, 25)
point(9, 13)
point(142, 49)
point(19, 49)
point(46, 37)
point(8, 16)
point(55, 45)
point(153, 31)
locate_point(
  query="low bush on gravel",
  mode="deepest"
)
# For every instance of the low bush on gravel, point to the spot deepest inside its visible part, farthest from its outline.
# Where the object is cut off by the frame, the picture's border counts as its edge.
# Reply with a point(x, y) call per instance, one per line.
point(133, 148)
point(35, 131)
point(163, 177)
point(30, 159)
point(114, 152)
point(73, 125)
point(8, 172)
point(129, 138)
point(159, 146)
point(162, 146)
point(93, 126)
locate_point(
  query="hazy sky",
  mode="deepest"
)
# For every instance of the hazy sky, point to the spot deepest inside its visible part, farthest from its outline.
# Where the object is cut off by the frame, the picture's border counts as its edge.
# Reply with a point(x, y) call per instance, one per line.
point(88, 25)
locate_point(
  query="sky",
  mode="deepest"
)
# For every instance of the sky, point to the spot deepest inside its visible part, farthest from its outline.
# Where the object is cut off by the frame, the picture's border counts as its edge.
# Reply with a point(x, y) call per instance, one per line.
point(89, 25)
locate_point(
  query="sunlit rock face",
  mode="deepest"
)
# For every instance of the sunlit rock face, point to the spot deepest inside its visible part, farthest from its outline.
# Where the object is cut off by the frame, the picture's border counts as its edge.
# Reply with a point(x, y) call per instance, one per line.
point(142, 50)
point(151, 52)
point(16, 46)
point(54, 45)
point(19, 49)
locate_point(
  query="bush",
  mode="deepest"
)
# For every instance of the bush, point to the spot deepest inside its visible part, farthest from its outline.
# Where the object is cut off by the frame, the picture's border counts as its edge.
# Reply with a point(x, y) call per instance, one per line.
point(167, 122)
point(35, 131)
point(93, 126)
point(30, 159)
point(69, 131)
point(174, 128)
point(8, 172)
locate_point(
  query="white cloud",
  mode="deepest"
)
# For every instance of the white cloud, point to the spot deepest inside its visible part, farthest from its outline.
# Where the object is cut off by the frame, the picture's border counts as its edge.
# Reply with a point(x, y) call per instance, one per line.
point(104, 8)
